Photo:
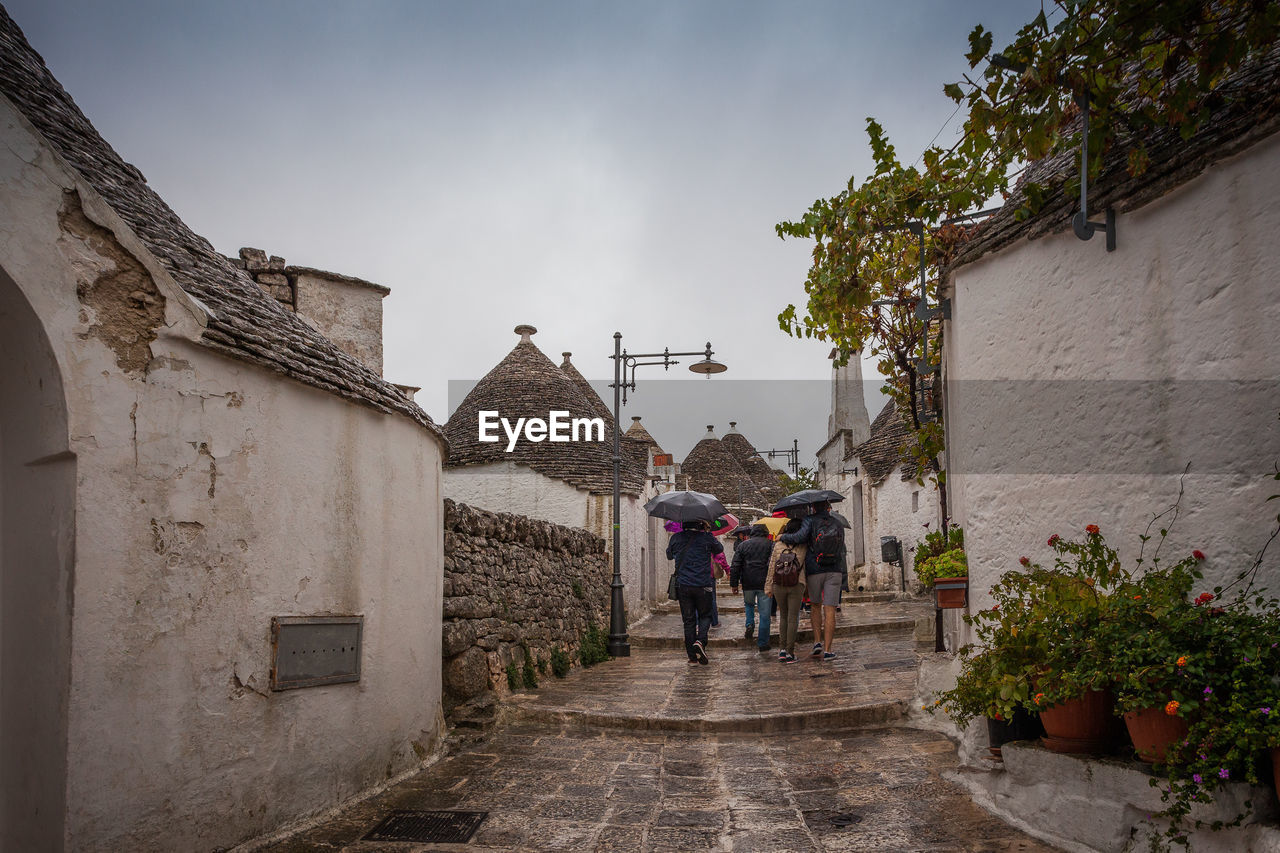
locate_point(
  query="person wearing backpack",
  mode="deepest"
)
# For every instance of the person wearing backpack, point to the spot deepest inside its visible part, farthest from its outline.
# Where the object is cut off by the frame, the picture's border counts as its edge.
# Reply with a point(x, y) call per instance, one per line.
point(749, 569)
point(825, 538)
point(693, 549)
point(785, 583)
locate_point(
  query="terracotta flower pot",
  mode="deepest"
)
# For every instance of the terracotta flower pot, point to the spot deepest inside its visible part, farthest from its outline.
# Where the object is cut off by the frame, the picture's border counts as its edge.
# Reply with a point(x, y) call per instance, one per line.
point(1082, 725)
point(951, 592)
point(1023, 726)
point(1153, 732)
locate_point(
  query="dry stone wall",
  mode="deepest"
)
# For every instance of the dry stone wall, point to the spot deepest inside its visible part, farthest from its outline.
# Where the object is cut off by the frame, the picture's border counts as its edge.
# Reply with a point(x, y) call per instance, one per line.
point(511, 583)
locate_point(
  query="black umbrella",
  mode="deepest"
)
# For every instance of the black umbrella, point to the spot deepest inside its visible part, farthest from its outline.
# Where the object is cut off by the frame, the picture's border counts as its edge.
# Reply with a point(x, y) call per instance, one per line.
point(841, 520)
point(686, 506)
point(807, 496)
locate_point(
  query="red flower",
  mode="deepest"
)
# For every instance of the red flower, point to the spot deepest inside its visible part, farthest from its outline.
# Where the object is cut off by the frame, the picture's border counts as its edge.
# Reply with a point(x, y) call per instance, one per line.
point(1198, 554)
point(1091, 529)
point(1053, 540)
point(1204, 598)
point(995, 606)
point(1026, 561)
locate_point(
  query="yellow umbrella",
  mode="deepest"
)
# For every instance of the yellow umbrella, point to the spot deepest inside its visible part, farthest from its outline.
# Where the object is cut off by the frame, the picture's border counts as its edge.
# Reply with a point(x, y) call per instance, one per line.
point(774, 525)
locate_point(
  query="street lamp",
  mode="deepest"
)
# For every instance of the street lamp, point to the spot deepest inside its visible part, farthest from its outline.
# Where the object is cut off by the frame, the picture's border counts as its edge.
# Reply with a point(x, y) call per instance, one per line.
point(622, 362)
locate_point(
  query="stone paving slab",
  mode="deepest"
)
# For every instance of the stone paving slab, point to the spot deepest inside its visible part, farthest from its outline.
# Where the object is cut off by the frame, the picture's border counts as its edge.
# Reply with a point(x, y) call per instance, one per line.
point(664, 628)
point(740, 690)
point(557, 788)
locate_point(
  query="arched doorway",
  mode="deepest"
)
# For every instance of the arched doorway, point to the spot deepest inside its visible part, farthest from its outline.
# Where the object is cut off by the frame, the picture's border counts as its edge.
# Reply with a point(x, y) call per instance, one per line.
point(37, 540)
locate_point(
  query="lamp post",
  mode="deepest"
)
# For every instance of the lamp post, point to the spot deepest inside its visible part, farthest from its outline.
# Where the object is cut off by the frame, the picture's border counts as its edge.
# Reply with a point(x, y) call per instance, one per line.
point(622, 361)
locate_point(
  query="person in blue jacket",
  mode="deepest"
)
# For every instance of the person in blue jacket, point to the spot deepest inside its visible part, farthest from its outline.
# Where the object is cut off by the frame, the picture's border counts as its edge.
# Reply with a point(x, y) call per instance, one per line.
point(692, 549)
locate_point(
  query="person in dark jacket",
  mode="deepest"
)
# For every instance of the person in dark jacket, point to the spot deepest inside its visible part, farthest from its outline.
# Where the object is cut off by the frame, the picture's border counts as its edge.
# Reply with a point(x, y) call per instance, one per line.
point(749, 569)
point(823, 580)
point(692, 549)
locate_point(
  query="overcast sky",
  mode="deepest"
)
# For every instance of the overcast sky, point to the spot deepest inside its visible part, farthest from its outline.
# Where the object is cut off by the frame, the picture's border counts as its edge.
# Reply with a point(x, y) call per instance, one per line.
point(585, 167)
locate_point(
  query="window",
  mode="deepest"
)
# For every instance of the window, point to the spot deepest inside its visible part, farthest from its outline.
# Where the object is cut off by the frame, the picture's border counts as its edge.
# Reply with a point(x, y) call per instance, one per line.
point(915, 501)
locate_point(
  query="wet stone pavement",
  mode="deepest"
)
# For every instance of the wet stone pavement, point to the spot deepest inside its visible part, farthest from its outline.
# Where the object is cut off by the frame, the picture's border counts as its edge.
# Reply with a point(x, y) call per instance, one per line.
point(567, 789)
point(648, 753)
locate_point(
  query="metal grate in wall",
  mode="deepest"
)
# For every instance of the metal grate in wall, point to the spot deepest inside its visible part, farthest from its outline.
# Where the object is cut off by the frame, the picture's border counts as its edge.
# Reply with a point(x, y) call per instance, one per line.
point(445, 827)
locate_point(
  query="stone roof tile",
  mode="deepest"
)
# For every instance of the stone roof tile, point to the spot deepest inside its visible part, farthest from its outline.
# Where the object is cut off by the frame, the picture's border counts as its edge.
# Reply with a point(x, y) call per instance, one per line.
point(712, 469)
point(639, 433)
point(1248, 111)
point(243, 321)
point(767, 478)
point(882, 452)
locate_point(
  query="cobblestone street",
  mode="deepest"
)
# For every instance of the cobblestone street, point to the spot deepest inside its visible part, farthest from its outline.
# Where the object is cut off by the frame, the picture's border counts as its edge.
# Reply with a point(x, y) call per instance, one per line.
point(648, 753)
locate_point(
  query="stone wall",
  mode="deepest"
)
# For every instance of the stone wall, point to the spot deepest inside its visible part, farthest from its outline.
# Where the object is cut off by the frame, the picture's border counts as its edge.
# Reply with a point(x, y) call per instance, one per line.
point(510, 583)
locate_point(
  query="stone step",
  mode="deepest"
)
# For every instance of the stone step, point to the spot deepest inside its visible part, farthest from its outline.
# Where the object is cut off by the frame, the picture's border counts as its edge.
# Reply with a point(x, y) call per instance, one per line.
point(732, 637)
point(729, 603)
point(867, 685)
point(842, 718)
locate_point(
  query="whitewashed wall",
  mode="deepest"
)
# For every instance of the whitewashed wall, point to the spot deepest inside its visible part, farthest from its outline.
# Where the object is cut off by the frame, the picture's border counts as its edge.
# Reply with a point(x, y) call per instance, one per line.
point(888, 510)
point(1190, 294)
point(210, 496)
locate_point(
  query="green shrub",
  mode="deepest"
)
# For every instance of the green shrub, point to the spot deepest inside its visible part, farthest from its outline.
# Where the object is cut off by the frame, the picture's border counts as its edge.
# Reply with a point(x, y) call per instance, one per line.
point(542, 666)
point(595, 646)
point(948, 564)
point(577, 590)
point(530, 677)
point(560, 662)
point(513, 676)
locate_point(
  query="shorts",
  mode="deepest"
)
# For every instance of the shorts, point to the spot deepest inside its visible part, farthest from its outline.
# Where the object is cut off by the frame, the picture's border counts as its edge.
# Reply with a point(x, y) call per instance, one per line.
point(824, 588)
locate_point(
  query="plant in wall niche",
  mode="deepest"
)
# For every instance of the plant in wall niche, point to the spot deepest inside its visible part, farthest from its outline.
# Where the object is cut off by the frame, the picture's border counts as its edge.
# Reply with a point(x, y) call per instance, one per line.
point(542, 666)
point(560, 662)
point(594, 645)
point(528, 675)
point(577, 589)
point(513, 677)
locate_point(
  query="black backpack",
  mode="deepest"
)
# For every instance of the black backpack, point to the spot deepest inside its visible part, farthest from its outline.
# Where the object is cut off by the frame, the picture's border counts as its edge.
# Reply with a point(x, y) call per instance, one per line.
point(827, 541)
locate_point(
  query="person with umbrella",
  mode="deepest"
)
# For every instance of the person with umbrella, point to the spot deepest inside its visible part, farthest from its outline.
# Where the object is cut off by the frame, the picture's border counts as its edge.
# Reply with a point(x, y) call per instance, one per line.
point(692, 549)
point(825, 538)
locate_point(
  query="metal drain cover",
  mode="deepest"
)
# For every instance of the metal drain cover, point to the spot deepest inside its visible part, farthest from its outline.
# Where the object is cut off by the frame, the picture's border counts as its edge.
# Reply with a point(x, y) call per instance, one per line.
point(427, 827)
point(846, 819)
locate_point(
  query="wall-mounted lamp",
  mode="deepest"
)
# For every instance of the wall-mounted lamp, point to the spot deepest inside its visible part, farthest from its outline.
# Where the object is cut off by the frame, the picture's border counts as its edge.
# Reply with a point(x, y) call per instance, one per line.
point(1080, 224)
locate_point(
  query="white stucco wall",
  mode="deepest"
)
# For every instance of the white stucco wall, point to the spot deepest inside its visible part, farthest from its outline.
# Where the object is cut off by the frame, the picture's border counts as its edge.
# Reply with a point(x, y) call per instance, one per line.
point(211, 496)
point(346, 311)
point(1189, 295)
point(888, 510)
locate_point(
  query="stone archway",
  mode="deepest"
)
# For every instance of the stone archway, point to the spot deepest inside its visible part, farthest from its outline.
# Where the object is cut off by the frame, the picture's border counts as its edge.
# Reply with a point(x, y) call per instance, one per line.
point(37, 543)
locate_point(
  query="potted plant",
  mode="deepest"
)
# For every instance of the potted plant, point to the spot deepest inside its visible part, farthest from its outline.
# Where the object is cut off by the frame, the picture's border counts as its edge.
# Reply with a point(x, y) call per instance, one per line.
point(1036, 647)
point(940, 562)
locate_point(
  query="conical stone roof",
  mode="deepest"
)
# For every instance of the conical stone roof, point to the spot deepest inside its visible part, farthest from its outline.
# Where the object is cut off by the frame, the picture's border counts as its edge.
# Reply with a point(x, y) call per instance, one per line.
point(637, 432)
point(711, 468)
point(765, 476)
point(601, 408)
point(527, 384)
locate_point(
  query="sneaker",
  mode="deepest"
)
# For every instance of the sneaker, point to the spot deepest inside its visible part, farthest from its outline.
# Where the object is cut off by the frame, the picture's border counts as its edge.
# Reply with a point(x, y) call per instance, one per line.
point(782, 655)
point(693, 661)
point(817, 650)
point(751, 632)
point(701, 653)
point(790, 658)
point(829, 656)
